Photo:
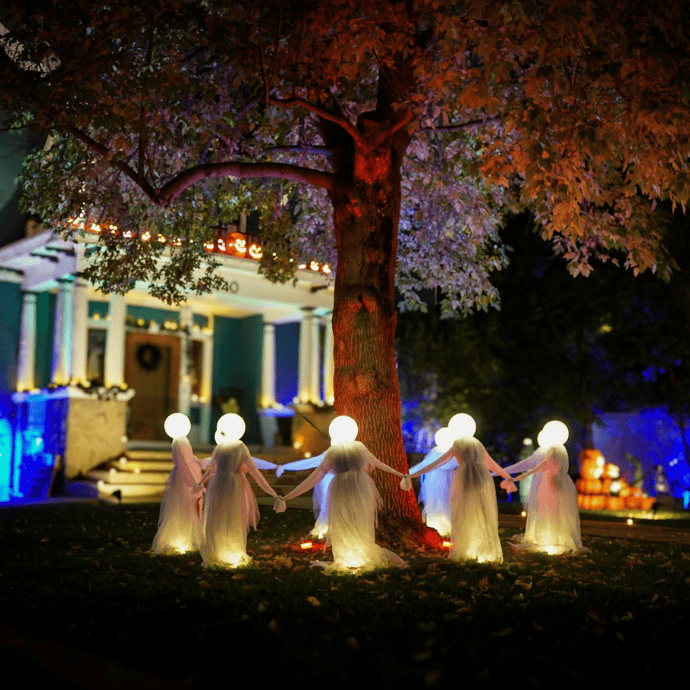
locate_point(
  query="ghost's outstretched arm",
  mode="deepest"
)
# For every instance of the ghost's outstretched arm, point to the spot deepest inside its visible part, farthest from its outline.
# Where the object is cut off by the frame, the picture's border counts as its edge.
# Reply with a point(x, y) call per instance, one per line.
point(311, 481)
point(537, 468)
point(377, 464)
point(495, 468)
point(526, 464)
point(259, 478)
point(297, 465)
point(264, 464)
point(446, 457)
point(432, 455)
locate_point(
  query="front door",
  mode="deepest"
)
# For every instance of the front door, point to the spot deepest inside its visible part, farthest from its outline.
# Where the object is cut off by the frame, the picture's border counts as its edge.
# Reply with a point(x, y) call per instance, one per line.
point(152, 369)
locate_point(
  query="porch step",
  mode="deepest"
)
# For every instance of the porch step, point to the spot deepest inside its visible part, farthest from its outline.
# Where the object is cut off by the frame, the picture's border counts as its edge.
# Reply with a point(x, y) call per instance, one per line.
point(140, 475)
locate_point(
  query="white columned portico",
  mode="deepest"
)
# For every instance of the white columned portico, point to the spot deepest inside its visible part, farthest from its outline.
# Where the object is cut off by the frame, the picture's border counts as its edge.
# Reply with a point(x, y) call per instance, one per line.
point(268, 366)
point(315, 367)
point(306, 346)
point(62, 335)
point(328, 365)
point(184, 395)
point(26, 363)
point(115, 347)
point(80, 332)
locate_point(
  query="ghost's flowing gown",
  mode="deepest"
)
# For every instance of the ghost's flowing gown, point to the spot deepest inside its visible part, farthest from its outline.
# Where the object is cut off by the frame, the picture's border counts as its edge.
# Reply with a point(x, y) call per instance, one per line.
point(230, 507)
point(179, 521)
point(353, 502)
point(473, 505)
point(434, 492)
point(319, 495)
point(553, 518)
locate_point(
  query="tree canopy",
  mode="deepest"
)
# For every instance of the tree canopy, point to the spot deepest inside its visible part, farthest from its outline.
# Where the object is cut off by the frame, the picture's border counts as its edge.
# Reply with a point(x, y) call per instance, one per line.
point(158, 118)
point(363, 132)
point(564, 347)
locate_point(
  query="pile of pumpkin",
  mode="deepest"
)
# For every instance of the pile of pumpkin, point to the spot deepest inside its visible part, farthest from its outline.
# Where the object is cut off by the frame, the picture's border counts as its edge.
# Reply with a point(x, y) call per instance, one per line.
point(602, 488)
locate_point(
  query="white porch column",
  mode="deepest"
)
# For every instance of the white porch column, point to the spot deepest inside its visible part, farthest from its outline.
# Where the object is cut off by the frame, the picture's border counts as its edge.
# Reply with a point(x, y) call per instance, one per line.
point(328, 365)
point(304, 378)
point(80, 331)
point(268, 366)
point(26, 360)
point(184, 395)
point(315, 368)
point(62, 335)
point(115, 346)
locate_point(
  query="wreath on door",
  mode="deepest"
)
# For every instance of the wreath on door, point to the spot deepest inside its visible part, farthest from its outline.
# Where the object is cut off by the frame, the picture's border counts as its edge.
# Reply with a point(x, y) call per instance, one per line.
point(149, 356)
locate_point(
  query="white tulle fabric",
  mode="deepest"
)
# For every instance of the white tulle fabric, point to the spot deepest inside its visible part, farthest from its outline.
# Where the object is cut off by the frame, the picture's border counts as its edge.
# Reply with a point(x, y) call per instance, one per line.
point(179, 521)
point(230, 507)
point(319, 495)
point(553, 518)
point(434, 492)
point(473, 505)
point(353, 502)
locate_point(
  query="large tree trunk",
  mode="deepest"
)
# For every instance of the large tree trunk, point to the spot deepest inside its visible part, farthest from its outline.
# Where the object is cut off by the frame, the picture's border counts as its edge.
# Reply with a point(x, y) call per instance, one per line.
point(366, 214)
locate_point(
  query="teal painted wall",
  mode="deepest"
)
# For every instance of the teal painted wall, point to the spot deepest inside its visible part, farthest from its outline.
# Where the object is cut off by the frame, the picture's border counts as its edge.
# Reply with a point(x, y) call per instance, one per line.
point(10, 321)
point(148, 313)
point(100, 308)
point(237, 349)
point(45, 326)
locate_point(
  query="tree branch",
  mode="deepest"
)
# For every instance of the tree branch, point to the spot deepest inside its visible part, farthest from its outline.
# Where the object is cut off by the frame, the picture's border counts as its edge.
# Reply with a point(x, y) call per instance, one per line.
point(464, 125)
point(282, 171)
point(301, 148)
point(321, 112)
point(99, 148)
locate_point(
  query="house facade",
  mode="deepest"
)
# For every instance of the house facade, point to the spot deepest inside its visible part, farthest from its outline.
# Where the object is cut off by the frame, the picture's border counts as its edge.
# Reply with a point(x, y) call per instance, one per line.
point(84, 374)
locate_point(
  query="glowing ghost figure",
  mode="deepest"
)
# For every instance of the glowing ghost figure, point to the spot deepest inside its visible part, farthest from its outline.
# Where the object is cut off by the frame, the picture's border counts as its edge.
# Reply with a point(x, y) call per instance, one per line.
point(353, 501)
point(179, 520)
point(473, 505)
point(553, 518)
point(230, 507)
point(435, 488)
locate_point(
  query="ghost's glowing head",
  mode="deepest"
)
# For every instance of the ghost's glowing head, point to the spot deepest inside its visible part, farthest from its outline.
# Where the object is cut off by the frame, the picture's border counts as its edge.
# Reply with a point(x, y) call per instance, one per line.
point(553, 434)
point(177, 425)
point(444, 439)
point(230, 427)
point(343, 429)
point(462, 425)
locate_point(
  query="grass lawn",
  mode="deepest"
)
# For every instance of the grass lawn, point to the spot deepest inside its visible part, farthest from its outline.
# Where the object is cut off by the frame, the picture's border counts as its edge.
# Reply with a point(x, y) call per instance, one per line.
point(83, 598)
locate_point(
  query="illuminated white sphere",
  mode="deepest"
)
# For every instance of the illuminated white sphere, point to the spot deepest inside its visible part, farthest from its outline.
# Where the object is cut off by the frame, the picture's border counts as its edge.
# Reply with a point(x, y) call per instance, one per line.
point(232, 426)
point(462, 425)
point(177, 425)
point(343, 429)
point(444, 438)
point(553, 434)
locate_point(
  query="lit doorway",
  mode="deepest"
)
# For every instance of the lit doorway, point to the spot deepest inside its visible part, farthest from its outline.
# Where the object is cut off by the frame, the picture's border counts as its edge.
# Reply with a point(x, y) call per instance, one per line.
point(152, 369)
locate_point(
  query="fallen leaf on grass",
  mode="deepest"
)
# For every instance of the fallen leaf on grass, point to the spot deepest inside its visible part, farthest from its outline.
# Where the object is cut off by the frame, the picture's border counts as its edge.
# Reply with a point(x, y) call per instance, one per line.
point(273, 626)
point(503, 633)
point(313, 601)
point(427, 627)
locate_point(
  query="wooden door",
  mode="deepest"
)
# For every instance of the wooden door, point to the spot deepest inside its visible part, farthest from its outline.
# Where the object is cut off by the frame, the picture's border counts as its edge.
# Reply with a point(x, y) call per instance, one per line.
point(152, 369)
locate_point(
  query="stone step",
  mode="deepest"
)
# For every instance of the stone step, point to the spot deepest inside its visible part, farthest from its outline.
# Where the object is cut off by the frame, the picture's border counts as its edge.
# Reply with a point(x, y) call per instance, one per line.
point(113, 476)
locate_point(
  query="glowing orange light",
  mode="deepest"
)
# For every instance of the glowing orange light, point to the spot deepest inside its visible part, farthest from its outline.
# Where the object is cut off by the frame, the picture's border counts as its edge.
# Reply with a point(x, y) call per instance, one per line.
point(306, 545)
point(255, 251)
point(446, 544)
